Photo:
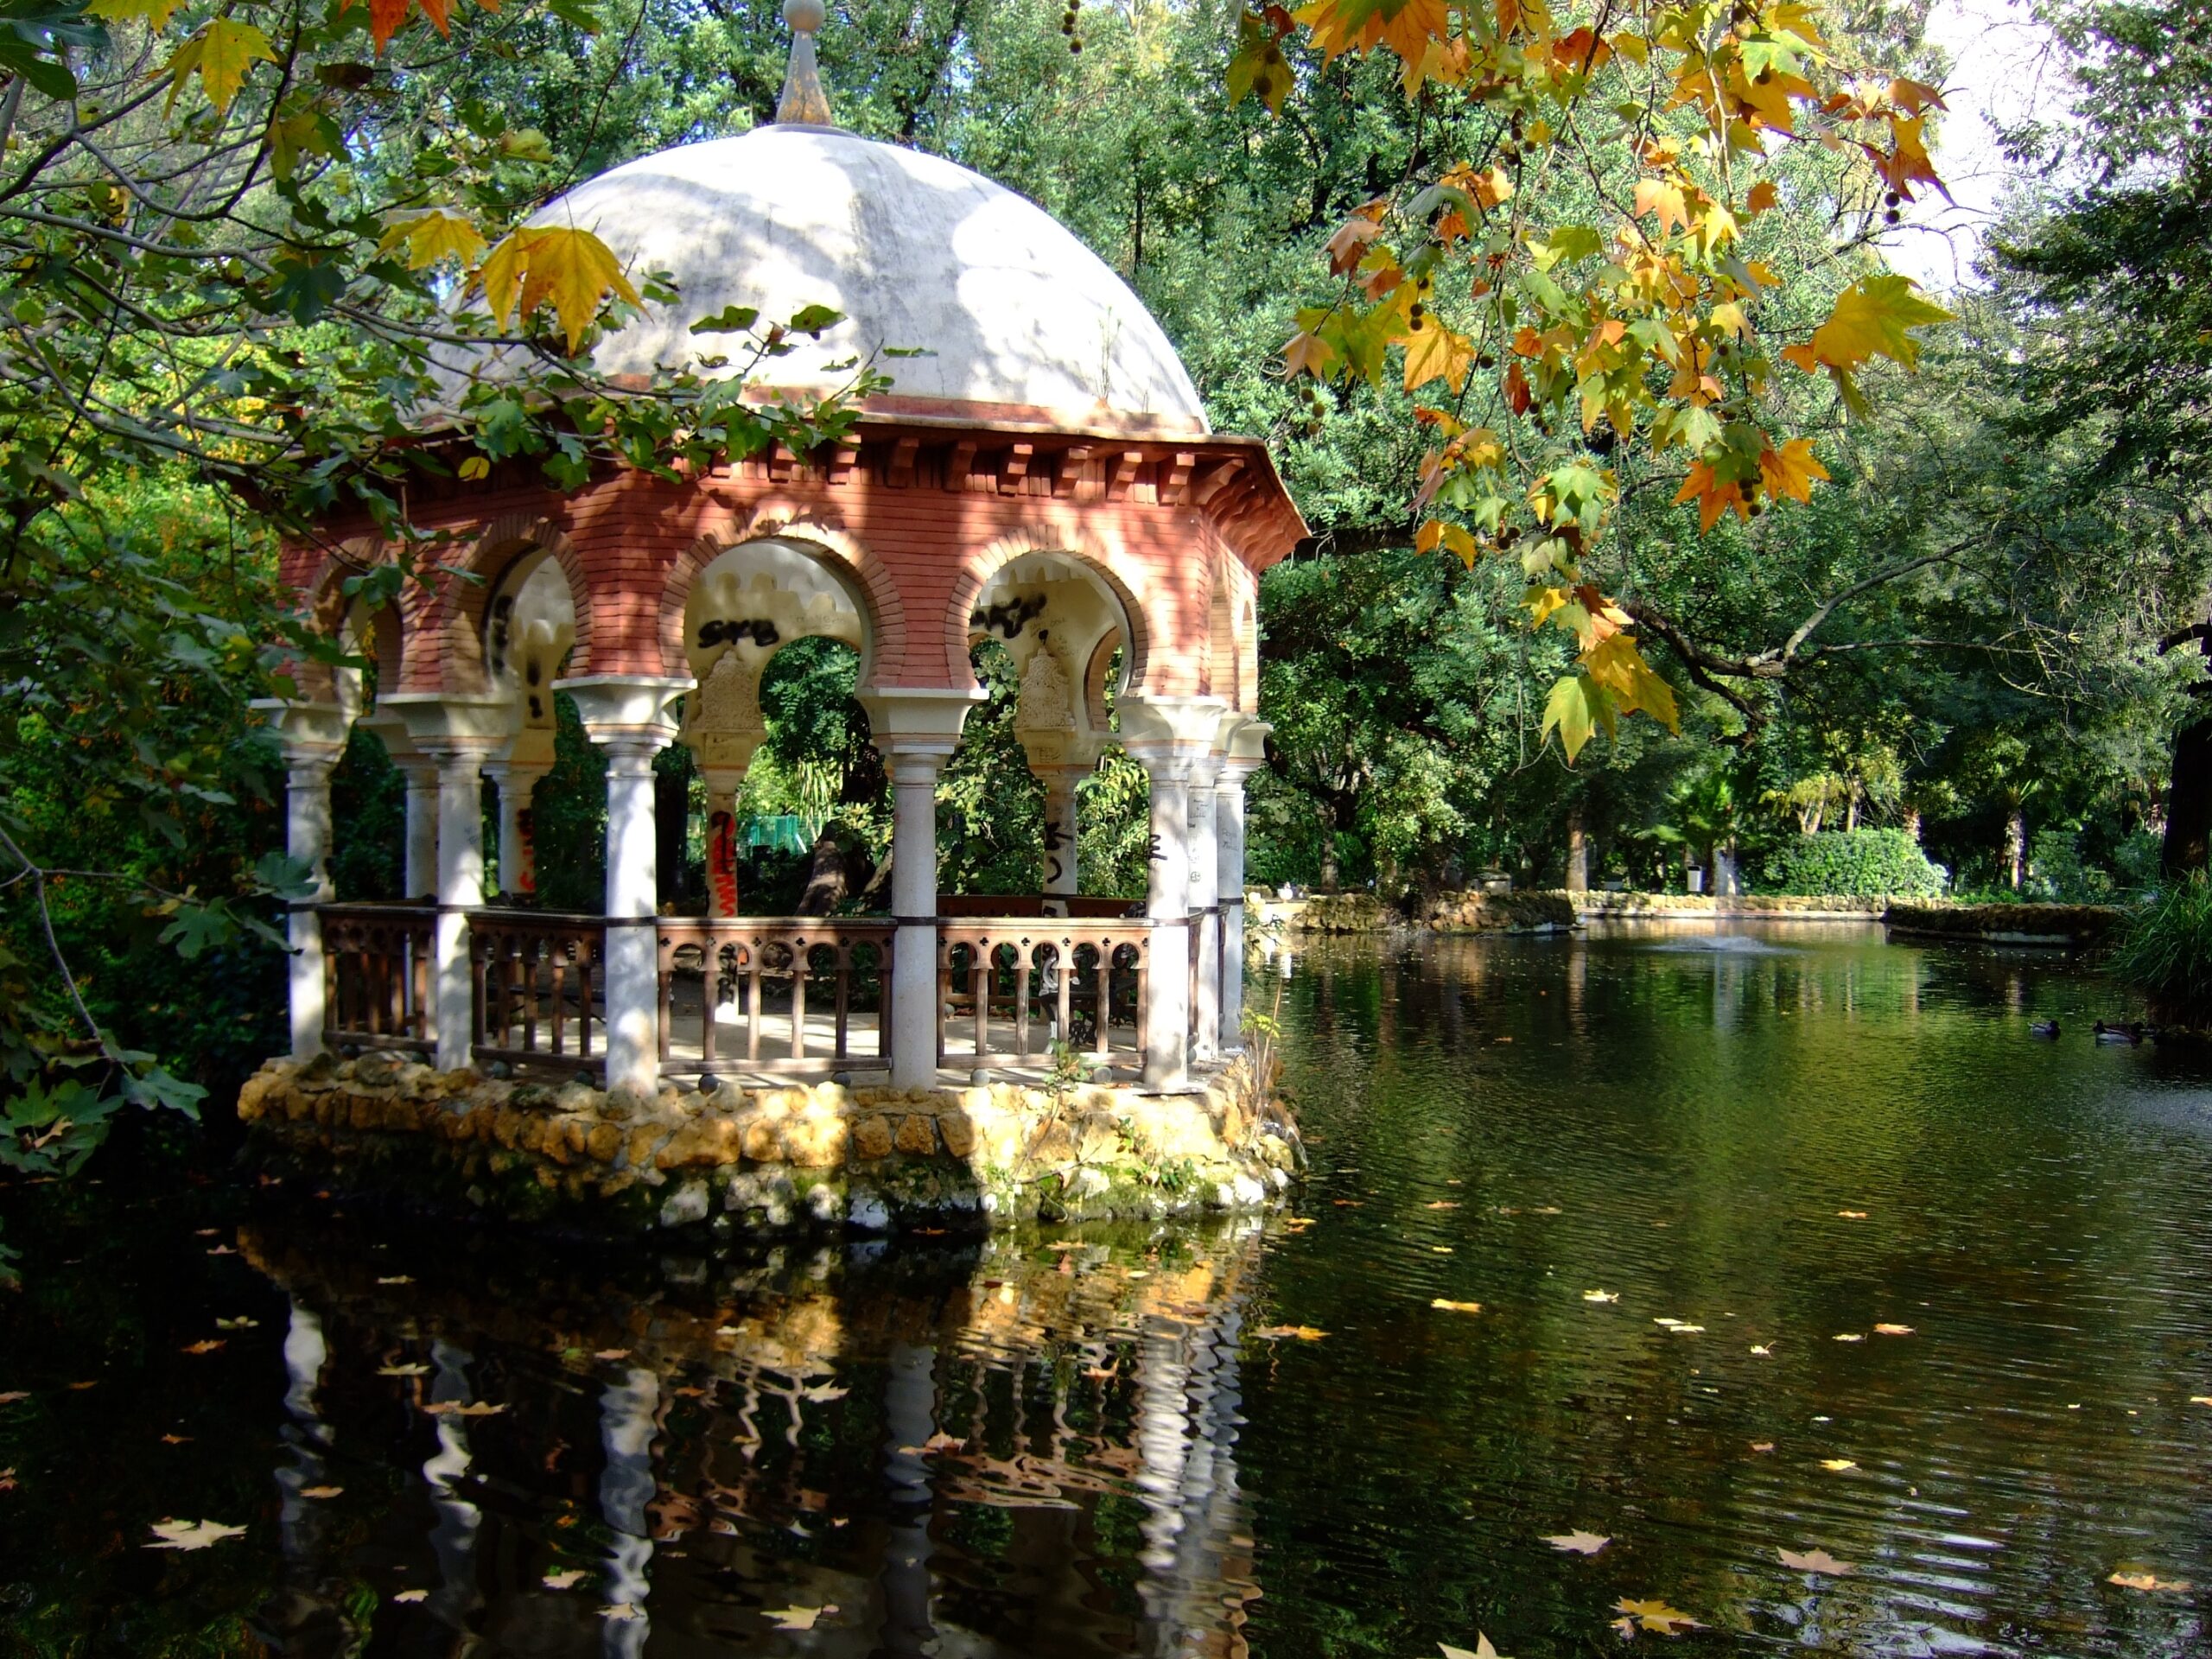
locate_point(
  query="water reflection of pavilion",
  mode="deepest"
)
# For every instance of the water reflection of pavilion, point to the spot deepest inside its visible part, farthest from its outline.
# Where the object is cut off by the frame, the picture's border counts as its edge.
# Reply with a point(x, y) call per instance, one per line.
point(1030, 1451)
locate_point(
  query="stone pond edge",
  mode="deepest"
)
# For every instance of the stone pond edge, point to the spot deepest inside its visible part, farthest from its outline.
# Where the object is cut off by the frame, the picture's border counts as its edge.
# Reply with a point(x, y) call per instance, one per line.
point(766, 1160)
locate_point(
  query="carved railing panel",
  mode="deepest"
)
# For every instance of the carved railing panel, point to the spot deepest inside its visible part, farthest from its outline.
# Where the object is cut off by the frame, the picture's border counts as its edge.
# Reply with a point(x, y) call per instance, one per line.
point(537, 979)
point(1083, 979)
point(376, 970)
point(743, 963)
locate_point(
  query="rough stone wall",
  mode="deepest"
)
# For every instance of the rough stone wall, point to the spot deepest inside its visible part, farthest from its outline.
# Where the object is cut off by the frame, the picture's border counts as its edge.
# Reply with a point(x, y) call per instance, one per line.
point(771, 1160)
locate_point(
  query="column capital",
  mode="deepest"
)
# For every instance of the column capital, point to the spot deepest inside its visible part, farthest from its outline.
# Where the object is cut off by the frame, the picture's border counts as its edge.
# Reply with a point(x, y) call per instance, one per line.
point(312, 733)
point(626, 713)
point(1168, 730)
point(505, 770)
point(431, 717)
point(911, 721)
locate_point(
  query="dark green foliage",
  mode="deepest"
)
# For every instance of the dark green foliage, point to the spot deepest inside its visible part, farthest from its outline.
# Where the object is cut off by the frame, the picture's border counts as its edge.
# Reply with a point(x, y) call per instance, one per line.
point(1854, 863)
point(990, 807)
point(368, 810)
point(571, 808)
point(2165, 951)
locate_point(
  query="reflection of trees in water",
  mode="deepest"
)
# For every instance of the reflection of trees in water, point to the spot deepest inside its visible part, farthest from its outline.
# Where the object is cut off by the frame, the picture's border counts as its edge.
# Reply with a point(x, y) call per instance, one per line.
point(1019, 1451)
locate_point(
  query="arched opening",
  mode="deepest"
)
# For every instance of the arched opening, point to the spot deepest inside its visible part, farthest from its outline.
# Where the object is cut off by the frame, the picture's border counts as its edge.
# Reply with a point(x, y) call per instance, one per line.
point(1048, 638)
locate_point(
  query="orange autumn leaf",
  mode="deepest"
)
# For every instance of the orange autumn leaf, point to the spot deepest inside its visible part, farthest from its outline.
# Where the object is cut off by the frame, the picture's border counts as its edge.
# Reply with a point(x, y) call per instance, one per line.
point(1791, 470)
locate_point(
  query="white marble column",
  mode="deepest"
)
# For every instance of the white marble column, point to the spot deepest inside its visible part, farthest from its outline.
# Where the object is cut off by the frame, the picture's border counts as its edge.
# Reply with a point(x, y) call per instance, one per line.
point(312, 735)
point(1061, 823)
point(1204, 859)
point(632, 898)
point(626, 715)
point(1169, 737)
point(307, 838)
point(518, 785)
point(1167, 901)
point(420, 878)
point(914, 1010)
point(1229, 846)
point(916, 728)
point(460, 762)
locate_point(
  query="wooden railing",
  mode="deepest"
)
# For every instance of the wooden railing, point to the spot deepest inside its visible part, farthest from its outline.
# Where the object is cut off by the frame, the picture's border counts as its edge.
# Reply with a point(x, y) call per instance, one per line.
point(1086, 978)
point(537, 982)
point(842, 963)
point(376, 975)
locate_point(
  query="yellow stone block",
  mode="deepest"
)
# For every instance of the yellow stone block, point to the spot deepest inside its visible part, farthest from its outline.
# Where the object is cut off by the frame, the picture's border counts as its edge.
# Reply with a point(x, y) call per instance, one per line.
point(917, 1135)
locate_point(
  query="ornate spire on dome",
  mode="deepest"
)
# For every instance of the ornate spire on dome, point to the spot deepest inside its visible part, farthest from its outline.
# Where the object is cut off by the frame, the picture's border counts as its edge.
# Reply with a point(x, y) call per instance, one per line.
point(804, 103)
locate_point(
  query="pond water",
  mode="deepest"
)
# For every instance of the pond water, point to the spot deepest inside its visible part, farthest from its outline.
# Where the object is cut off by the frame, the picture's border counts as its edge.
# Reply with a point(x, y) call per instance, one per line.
point(1130, 1441)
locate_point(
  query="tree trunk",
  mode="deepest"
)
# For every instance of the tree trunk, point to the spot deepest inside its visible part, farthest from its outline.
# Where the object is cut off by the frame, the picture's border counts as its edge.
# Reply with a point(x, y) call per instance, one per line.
point(1578, 853)
point(1912, 823)
point(2189, 801)
point(2016, 848)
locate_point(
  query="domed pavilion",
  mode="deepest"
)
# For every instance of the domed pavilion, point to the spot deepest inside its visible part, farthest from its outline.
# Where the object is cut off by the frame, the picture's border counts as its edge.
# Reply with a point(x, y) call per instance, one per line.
point(1045, 475)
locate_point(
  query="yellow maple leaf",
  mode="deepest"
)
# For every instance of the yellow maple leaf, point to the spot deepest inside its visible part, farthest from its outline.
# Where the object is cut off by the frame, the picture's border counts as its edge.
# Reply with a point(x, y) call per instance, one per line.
point(1616, 664)
point(1308, 354)
point(573, 270)
point(1435, 353)
point(1665, 200)
point(220, 55)
point(432, 236)
point(155, 13)
point(1872, 317)
point(1791, 470)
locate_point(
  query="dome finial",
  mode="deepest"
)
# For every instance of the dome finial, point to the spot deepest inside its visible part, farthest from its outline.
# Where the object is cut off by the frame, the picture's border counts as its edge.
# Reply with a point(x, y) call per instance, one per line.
point(802, 104)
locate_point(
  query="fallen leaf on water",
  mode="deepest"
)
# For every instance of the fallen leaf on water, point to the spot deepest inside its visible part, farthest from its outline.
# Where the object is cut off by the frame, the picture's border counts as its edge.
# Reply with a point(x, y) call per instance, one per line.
point(612, 1353)
point(176, 1439)
point(2193, 1399)
point(205, 1232)
point(1276, 1332)
point(1548, 1209)
point(1893, 1330)
point(396, 1279)
point(1482, 1649)
point(798, 1619)
point(241, 1323)
point(454, 1409)
point(1442, 1203)
point(7, 1480)
point(206, 1345)
point(1853, 1215)
point(2146, 1581)
point(222, 1249)
point(1348, 1204)
point(403, 1370)
point(1601, 1295)
point(1656, 1617)
point(191, 1535)
point(1851, 1336)
point(621, 1612)
point(78, 1387)
point(565, 1579)
point(1578, 1542)
point(1836, 1465)
point(14, 1394)
point(1297, 1223)
point(1451, 1306)
point(1625, 1629)
point(1814, 1561)
point(1763, 1349)
point(1762, 1446)
point(320, 1491)
point(410, 1595)
point(1439, 1250)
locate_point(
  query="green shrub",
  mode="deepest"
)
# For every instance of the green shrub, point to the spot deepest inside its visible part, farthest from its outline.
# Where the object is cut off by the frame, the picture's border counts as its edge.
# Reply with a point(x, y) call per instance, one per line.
point(1859, 863)
point(2165, 951)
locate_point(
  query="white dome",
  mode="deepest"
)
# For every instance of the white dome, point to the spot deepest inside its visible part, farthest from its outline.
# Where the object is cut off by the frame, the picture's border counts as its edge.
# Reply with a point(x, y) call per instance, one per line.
point(915, 251)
